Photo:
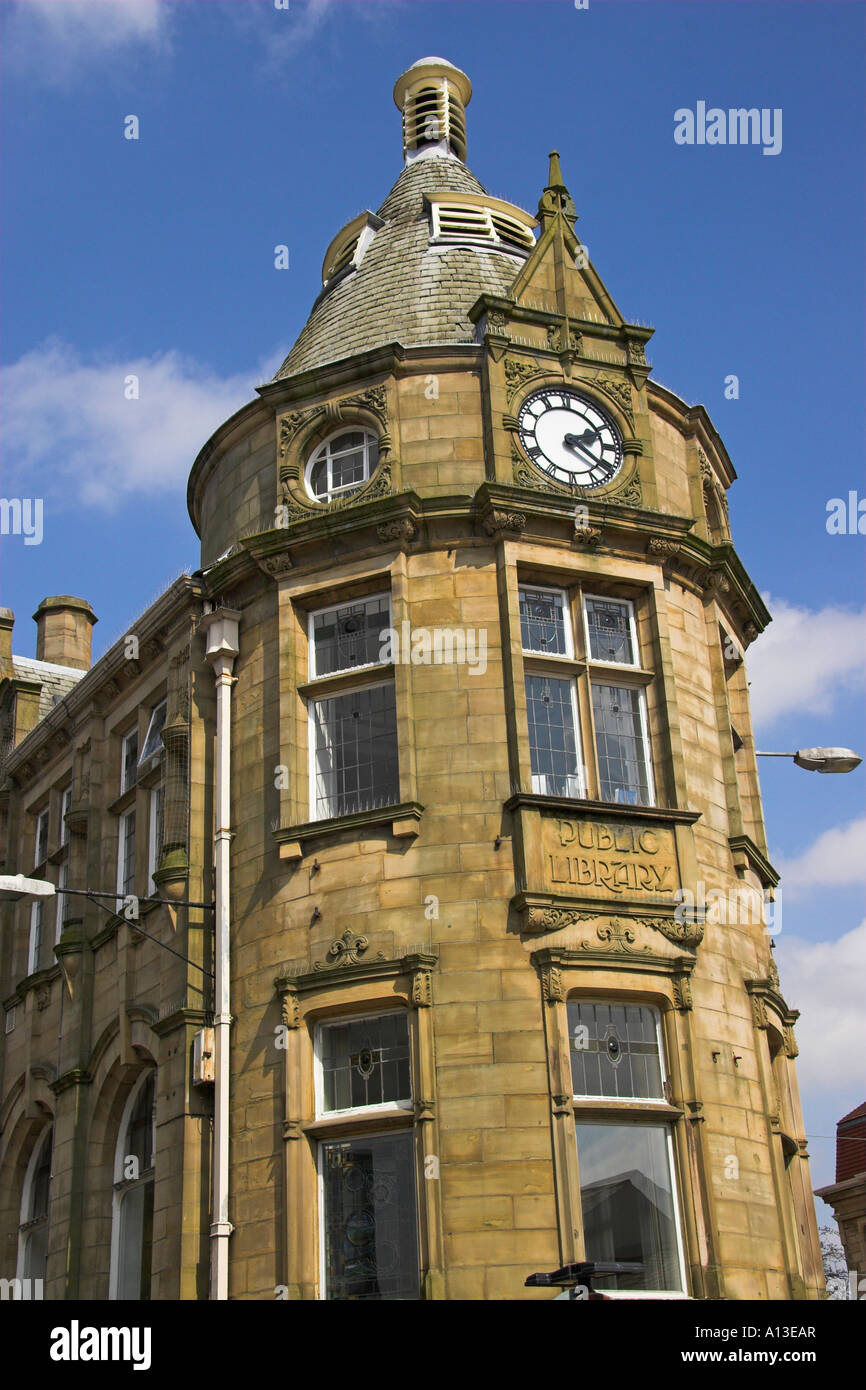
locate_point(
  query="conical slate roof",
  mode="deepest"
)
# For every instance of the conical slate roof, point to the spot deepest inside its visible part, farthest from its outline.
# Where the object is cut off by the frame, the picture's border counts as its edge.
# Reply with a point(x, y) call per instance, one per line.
point(404, 289)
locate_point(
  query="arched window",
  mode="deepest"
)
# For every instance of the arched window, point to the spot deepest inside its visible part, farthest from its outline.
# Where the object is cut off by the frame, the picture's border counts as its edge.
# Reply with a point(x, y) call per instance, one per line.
point(33, 1230)
point(132, 1224)
point(342, 464)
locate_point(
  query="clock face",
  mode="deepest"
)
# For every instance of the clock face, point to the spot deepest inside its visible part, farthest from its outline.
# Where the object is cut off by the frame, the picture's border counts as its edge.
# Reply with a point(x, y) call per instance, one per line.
point(570, 438)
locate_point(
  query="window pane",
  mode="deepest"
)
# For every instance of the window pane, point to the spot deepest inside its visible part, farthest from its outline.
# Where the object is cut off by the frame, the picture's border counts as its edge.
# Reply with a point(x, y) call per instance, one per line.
point(139, 1135)
point(369, 1220)
point(319, 476)
point(355, 752)
point(614, 1050)
point(153, 739)
point(622, 761)
point(40, 1188)
point(627, 1197)
point(126, 855)
point(365, 1062)
point(542, 622)
point(344, 638)
point(552, 742)
point(130, 762)
point(136, 1238)
point(36, 1253)
point(609, 631)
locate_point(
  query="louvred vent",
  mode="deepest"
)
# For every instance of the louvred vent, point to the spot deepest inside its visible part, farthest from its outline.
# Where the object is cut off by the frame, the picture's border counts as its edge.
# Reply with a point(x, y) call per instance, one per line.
point(480, 226)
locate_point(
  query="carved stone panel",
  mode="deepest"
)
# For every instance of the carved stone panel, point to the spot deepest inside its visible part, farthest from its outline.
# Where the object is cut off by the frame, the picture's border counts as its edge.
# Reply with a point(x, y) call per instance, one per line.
point(605, 859)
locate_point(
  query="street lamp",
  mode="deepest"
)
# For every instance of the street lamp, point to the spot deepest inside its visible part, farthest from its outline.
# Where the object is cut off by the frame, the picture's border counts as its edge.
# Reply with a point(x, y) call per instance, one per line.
point(821, 759)
point(15, 886)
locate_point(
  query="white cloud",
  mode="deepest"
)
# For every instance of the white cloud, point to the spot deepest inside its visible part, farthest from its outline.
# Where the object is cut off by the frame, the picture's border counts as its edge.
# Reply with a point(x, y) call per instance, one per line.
point(837, 859)
point(53, 38)
point(805, 660)
point(68, 426)
point(826, 981)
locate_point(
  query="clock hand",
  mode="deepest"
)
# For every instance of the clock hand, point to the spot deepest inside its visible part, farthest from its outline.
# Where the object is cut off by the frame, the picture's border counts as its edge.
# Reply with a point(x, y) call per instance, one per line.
point(574, 441)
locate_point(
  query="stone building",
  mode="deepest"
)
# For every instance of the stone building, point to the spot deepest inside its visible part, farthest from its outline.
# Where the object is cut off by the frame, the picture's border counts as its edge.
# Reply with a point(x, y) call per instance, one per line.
point(470, 628)
point(847, 1195)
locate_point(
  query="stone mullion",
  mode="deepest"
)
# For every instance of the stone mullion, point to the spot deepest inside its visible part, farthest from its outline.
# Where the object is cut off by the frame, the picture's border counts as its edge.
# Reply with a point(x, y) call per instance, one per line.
point(512, 662)
point(564, 1139)
point(403, 681)
point(687, 1133)
point(682, 1055)
point(664, 692)
point(724, 721)
point(297, 1200)
point(784, 1195)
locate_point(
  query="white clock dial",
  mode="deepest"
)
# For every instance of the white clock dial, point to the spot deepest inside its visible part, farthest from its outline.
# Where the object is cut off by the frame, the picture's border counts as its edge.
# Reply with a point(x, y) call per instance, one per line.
point(570, 438)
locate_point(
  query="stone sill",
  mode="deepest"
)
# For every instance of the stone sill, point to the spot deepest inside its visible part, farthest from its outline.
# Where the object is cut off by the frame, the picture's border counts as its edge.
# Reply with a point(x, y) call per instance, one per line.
point(404, 819)
point(336, 1128)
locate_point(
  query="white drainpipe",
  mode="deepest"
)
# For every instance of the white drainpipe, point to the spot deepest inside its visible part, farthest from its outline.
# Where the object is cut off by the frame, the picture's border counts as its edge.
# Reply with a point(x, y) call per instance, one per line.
point(221, 632)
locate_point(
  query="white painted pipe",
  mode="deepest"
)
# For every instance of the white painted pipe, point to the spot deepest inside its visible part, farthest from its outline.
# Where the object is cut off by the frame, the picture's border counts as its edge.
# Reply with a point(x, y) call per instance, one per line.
point(221, 631)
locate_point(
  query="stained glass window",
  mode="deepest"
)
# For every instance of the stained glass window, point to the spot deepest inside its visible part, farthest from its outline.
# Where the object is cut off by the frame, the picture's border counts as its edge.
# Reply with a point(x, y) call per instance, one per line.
point(370, 1219)
point(365, 1061)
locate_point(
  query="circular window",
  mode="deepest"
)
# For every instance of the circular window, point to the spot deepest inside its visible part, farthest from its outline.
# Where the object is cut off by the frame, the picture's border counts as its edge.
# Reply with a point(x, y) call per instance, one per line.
point(341, 464)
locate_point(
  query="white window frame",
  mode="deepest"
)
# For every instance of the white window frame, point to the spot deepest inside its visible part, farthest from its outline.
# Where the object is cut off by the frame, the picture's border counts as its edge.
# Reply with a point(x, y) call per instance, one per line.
point(311, 737)
point(144, 762)
point(388, 1107)
point(36, 941)
point(41, 839)
point(65, 803)
point(122, 1186)
point(539, 589)
point(645, 739)
point(348, 488)
point(26, 1197)
point(620, 1110)
point(121, 853)
point(334, 608)
point(127, 782)
point(580, 775)
point(62, 882)
point(632, 625)
point(624, 1003)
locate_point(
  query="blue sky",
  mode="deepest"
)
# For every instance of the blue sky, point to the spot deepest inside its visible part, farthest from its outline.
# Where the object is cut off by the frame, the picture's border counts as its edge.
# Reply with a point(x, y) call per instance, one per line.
point(261, 126)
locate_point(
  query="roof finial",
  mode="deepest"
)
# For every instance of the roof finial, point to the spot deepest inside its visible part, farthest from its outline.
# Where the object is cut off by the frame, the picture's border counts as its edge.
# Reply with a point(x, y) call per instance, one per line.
point(556, 198)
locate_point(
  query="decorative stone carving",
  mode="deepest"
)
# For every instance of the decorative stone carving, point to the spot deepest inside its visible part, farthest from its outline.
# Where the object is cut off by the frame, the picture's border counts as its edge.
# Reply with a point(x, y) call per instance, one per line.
point(543, 919)
point(276, 565)
point(292, 1129)
point(663, 548)
point(495, 321)
point(43, 997)
point(422, 993)
point(517, 373)
point(635, 353)
point(590, 536)
point(555, 340)
point(681, 933)
point(296, 510)
point(716, 583)
point(773, 972)
point(496, 521)
point(704, 465)
point(293, 422)
point(373, 399)
point(290, 1013)
point(618, 936)
point(618, 391)
point(682, 992)
point(425, 1111)
point(750, 632)
point(562, 1105)
point(759, 1011)
point(401, 529)
point(346, 950)
point(552, 991)
point(629, 496)
point(791, 1048)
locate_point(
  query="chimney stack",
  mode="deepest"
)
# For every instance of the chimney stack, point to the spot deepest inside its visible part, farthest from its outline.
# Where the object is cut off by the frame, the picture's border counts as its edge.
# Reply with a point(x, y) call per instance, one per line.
point(64, 627)
point(7, 622)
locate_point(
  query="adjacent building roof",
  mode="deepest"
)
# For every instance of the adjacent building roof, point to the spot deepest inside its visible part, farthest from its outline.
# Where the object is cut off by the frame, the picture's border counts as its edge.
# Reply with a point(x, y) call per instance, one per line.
point(56, 681)
point(404, 290)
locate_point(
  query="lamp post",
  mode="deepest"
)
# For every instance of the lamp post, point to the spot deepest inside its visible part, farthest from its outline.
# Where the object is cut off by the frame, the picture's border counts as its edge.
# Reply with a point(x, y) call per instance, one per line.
point(821, 759)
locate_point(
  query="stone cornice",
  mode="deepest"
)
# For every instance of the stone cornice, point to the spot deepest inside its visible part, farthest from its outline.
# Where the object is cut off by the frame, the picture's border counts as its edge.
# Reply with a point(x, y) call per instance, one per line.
point(408, 814)
point(352, 965)
point(744, 847)
point(659, 815)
